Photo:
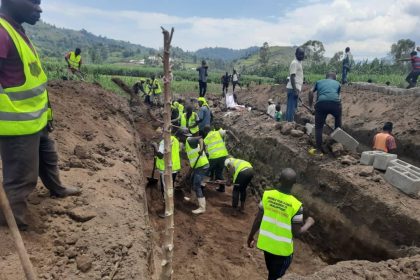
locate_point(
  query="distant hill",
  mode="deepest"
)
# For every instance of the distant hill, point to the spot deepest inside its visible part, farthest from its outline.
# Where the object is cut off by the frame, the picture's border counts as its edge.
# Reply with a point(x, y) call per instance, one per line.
point(54, 42)
point(225, 54)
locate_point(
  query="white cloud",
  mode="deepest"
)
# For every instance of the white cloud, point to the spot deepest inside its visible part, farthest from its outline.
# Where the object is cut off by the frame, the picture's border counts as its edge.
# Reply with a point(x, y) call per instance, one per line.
point(368, 27)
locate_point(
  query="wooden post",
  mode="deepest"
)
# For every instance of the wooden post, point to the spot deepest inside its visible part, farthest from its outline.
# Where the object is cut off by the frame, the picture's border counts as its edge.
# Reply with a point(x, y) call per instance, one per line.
point(23, 255)
point(168, 245)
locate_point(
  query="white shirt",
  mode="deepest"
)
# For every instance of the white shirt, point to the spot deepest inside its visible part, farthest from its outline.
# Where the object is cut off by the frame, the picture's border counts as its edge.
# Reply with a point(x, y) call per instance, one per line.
point(297, 69)
point(271, 110)
point(235, 78)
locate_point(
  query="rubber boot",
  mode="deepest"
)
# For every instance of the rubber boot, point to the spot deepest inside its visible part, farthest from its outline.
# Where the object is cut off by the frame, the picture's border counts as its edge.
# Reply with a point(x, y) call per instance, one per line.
point(201, 206)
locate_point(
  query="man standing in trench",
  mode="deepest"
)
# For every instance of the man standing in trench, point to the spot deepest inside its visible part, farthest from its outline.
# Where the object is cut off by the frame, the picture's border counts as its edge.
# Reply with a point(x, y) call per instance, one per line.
point(25, 113)
point(278, 218)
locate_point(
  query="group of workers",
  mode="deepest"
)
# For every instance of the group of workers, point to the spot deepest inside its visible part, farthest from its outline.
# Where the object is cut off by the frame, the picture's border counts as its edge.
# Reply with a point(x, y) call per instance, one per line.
point(207, 154)
point(226, 79)
point(150, 89)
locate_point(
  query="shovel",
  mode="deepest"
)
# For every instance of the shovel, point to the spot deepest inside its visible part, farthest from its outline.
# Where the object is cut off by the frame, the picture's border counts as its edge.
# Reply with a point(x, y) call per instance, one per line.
point(152, 180)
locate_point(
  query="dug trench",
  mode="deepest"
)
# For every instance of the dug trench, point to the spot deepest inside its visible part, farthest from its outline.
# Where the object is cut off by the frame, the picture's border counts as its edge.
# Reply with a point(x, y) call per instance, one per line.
point(359, 216)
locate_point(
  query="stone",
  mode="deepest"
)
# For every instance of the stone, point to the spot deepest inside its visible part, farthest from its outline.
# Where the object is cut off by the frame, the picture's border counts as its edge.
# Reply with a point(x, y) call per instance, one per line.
point(309, 128)
point(296, 133)
point(402, 179)
point(84, 263)
point(366, 171)
point(368, 157)
point(342, 137)
point(349, 160)
point(287, 128)
point(74, 162)
point(71, 253)
point(337, 149)
point(81, 152)
point(82, 214)
point(381, 161)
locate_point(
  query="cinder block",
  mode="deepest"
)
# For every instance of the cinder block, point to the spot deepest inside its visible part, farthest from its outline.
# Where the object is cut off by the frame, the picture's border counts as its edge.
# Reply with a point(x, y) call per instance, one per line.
point(381, 161)
point(413, 169)
point(369, 156)
point(403, 180)
point(310, 128)
point(342, 137)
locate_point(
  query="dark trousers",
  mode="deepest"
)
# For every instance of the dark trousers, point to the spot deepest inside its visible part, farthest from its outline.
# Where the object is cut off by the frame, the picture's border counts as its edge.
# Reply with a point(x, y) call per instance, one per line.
point(162, 186)
point(241, 183)
point(344, 75)
point(412, 78)
point(292, 102)
point(322, 110)
point(216, 169)
point(25, 158)
point(276, 265)
point(225, 89)
point(234, 84)
point(203, 88)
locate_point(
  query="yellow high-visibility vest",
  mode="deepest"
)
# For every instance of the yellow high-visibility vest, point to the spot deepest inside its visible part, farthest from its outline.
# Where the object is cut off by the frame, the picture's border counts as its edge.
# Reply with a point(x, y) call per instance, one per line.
point(191, 121)
point(156, 89)
point(196, 161)
point(24, 109)
point(275, 234)
point(176, 159)
point(239, 165)
point(215, 145)
point(74, 60)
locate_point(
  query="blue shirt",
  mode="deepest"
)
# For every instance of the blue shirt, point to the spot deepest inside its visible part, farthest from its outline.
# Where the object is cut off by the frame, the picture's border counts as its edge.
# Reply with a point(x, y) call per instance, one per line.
point(202, 74)
point(327, 90)
point(204, 116)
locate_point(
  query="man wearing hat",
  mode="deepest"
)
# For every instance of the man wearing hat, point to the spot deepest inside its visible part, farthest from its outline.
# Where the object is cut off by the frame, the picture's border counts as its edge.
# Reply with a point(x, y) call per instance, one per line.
point(385, 141)
point(271, 109)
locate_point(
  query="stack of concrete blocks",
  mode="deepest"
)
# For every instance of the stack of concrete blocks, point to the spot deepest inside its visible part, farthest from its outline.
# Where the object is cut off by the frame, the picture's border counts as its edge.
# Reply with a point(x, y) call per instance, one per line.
point(404, 176)
point(345, 139)
point(368, 157)
point(382, 160)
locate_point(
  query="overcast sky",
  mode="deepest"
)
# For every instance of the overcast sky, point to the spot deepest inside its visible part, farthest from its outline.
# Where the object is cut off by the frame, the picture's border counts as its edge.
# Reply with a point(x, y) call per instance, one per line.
point(369, 27)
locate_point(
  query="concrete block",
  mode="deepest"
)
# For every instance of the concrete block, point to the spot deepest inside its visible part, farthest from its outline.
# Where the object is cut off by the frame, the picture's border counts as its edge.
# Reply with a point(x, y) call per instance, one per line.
point(369, 156)
point(342, 137)
point(310, 128)
point(402, 179)
point(381, 161)
point(413, 169)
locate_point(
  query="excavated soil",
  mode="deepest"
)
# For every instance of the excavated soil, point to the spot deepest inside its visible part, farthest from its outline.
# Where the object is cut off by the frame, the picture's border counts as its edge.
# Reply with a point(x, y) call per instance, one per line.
point(98, 151)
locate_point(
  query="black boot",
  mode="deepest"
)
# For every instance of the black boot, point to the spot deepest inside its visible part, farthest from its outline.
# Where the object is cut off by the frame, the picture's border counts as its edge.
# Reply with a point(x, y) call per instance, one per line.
point(69, 191)
point(221, 188)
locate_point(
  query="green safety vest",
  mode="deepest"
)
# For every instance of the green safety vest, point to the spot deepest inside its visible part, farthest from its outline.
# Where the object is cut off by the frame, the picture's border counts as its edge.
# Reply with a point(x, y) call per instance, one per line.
point(176, 160)
point(215, 145)
point(191, 121)
point(239, 165)
point(74, 60)
point(275, 234)
point(24, 109)
point(156, 87)
point(193, 156)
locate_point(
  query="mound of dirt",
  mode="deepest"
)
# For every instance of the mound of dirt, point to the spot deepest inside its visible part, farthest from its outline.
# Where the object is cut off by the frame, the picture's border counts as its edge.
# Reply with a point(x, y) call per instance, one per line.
point(105, 230)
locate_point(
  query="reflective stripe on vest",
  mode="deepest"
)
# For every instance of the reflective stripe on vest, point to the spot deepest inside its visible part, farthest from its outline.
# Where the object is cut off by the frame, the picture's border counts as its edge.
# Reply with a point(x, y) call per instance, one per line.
point(215, 145)
point(239, 165)
point(380, 142)
point(176, 160)
point(74, 60)
point(191, 121)
point(275, 234)
point(24, 109)
point(193, 156)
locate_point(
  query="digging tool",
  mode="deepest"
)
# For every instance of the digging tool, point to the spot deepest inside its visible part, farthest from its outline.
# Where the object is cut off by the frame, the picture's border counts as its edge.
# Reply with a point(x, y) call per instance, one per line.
point(11, 222)
point(313, 112)
point(152, 180)
point(234, 136)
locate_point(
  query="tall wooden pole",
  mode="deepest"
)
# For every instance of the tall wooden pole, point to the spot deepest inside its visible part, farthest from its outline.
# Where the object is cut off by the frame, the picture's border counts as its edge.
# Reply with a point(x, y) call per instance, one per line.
point(23, 255)
point(168, 245)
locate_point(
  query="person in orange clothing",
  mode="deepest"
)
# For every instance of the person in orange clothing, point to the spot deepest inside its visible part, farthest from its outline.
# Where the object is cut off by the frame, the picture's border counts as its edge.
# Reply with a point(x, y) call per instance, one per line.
point(385, 141)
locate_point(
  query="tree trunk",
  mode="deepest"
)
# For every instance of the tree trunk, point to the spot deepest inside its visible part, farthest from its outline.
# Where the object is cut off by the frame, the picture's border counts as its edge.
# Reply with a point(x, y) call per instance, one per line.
point(168, 244)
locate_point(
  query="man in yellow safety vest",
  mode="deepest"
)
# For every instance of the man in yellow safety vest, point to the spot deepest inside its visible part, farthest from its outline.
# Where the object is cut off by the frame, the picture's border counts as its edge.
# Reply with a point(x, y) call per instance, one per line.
point(155, 91)
point(278, 218)
point(216, 149)
point(240, 174)
point(25, 114)
point(74, 62)
point(189, 121)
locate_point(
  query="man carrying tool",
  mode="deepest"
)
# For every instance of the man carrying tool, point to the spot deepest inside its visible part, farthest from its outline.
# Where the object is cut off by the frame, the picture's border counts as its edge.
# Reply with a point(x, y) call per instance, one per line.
point(194, 147)
point(204, 115)
point(25, 113)
point(74, 62)
point(240, 174)
point(216, 149)
point(278, 218)
point(415, 69)
point(294, 86)
point(328, 101)
point(385, 141)
point(189, 121)
point(160, 163)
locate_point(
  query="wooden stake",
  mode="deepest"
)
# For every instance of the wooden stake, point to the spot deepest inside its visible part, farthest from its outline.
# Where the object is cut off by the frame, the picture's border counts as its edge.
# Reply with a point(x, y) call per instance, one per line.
point(23, 255)
point(168, 245)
